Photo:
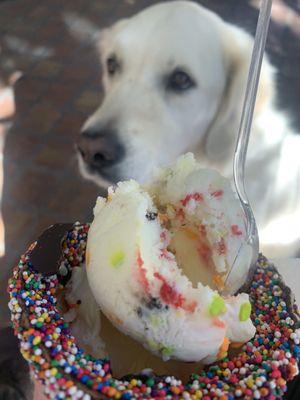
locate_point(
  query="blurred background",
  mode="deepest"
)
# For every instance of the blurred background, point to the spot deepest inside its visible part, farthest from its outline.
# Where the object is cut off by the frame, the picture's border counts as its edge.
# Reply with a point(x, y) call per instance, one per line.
point(49, 84)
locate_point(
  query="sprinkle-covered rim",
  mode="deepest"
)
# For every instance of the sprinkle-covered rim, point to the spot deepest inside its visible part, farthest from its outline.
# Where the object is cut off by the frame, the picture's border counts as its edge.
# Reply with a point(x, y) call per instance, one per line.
point(260, 371)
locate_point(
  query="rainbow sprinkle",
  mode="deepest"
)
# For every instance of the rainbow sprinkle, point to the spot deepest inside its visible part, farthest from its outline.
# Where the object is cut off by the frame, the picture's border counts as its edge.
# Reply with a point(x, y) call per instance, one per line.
point(260, 371)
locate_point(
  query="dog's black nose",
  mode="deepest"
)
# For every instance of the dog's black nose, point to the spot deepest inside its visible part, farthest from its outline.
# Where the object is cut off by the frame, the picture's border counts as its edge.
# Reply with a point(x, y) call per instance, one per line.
point(100, 149)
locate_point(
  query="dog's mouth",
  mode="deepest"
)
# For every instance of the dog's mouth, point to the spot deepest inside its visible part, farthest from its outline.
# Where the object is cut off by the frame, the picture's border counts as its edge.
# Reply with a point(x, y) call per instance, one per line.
point(103, 176)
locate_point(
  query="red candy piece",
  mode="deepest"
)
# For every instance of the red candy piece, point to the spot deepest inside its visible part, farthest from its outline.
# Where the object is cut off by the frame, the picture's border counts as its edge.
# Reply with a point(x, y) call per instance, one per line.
point(189, 197)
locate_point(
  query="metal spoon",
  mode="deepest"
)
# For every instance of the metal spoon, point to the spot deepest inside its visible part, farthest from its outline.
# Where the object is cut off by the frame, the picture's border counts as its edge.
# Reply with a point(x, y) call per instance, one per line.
point(249, 250)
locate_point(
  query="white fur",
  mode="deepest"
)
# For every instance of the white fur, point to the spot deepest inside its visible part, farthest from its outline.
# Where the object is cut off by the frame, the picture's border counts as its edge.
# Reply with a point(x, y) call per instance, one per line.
point(157, 126)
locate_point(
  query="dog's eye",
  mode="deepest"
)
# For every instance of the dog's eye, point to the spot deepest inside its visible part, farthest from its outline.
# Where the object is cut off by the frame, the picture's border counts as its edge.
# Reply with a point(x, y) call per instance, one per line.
point(180, 81)
point(112, 65)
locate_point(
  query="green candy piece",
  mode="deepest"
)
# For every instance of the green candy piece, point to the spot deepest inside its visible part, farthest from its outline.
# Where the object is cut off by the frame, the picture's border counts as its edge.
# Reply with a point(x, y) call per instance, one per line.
point(117, 259)
point(167, 351)
point(217, 306)
point(245, 311)
point(150, 382)
point(155, 320)
point(54, 363)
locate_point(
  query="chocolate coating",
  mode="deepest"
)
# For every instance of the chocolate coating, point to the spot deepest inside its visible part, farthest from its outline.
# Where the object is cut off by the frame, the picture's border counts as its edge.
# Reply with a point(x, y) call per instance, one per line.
point(47, 252)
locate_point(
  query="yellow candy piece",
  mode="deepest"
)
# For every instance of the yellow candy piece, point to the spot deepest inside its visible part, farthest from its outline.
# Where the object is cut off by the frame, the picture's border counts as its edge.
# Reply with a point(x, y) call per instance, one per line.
point(117, 258)
point(36, 340)
point(153, 345)
point(53, 371)
point(250, 382)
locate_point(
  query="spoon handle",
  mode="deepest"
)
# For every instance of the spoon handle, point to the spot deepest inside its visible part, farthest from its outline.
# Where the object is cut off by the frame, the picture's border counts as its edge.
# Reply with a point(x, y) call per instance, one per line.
point(247, 112)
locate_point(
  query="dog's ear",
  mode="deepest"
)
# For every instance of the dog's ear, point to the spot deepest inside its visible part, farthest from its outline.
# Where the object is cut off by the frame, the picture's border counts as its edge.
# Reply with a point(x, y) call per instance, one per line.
point(87, 32)
point(107, 35)
point(81, 28)
point(221, 137)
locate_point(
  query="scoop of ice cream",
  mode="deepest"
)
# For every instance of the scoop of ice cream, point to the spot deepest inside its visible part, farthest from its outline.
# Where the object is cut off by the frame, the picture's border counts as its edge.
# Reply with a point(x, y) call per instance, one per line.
point(202, 208)
point(142, 245)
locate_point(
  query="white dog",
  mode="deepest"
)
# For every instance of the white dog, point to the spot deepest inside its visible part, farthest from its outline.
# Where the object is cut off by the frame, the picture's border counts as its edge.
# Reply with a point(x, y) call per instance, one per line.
point(174, 77)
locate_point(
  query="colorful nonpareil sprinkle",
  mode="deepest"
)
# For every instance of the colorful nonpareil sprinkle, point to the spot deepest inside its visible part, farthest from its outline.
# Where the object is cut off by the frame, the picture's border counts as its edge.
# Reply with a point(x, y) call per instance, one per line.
point(260, 371)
